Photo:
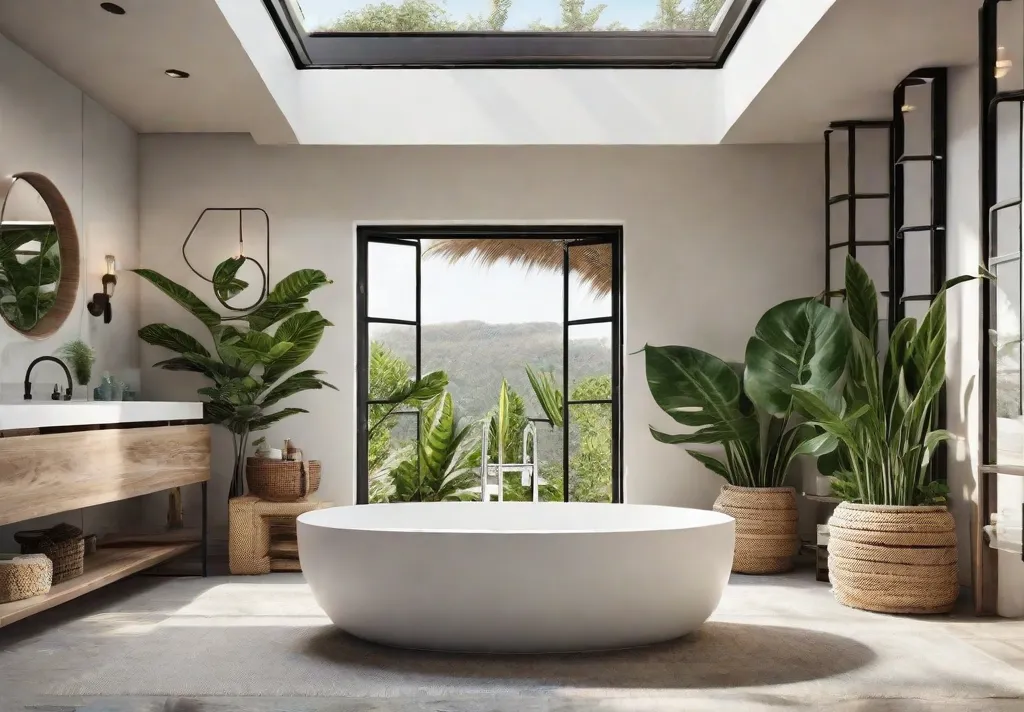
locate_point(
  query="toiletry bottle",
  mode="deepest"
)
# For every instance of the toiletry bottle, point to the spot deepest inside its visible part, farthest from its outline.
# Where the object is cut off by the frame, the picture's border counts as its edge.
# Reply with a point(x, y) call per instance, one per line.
point(286, 451)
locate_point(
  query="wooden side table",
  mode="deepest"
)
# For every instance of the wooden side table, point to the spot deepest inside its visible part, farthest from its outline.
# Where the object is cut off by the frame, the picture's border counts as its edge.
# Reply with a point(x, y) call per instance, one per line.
point(262, 534)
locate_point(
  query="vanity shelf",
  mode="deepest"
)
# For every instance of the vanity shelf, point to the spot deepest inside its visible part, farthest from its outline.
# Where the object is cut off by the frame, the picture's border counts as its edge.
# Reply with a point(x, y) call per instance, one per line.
point(101, 568)
point(65, 456)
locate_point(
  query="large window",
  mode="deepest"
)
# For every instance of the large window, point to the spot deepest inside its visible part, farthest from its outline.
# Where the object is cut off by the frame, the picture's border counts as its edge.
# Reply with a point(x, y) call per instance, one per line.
point(520, 329)
point(494, 33)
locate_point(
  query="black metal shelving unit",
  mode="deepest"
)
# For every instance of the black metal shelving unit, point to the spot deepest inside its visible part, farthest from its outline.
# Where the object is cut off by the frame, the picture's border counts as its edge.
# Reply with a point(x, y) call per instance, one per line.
point(852, 198)
point(996, 106)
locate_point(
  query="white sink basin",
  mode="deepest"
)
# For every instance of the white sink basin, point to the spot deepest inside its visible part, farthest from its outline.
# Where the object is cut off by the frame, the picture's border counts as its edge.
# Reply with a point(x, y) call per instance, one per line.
point(54, 414)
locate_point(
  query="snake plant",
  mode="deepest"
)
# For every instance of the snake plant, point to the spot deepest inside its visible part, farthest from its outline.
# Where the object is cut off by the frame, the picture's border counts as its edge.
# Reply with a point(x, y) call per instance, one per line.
point(885, 415)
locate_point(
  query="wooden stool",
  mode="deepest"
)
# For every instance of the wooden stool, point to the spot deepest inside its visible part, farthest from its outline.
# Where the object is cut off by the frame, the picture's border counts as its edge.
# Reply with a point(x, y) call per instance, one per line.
point(262, 534)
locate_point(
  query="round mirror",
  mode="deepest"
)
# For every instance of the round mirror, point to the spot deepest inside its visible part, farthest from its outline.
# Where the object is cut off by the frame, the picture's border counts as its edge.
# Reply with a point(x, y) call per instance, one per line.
point(38, 255)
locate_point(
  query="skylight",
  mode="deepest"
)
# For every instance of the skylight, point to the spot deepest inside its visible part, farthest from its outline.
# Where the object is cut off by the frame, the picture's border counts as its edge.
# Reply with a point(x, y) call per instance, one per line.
point(496, 33)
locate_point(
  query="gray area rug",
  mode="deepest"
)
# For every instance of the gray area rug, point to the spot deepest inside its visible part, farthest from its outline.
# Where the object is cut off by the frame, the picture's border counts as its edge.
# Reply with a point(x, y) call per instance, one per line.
point(774, 642)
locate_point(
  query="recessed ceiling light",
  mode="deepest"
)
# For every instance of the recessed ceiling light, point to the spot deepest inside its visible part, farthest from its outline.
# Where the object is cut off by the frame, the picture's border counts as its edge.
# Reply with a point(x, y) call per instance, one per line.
point(113, 8)
point(176, 74)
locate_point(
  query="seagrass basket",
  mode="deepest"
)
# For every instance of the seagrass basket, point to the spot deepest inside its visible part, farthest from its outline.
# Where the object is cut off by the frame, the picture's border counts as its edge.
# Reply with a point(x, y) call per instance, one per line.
point(766, 534)
point(282, 480)
point(892, 559)
point(62, 544)
point(24, 576)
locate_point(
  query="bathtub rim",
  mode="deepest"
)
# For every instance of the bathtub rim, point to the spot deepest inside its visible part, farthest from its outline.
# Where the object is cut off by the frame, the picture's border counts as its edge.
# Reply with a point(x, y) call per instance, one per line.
point(713, 519)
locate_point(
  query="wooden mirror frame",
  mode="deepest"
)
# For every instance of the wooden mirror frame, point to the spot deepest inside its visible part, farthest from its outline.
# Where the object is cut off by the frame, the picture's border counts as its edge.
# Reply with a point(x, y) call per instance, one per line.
point(67, 240)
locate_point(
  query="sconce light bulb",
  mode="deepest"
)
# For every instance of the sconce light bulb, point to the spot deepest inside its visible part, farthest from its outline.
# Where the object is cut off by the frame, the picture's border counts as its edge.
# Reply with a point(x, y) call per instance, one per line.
point(111, 265)
point(907, 108)
point(1003, 63)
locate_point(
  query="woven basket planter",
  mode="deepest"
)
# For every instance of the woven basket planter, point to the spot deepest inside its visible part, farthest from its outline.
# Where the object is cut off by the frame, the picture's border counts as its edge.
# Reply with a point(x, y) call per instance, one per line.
point(63, 545)
point(766, 536)
point(24, 576)
point(893, 559)
point(282, 480)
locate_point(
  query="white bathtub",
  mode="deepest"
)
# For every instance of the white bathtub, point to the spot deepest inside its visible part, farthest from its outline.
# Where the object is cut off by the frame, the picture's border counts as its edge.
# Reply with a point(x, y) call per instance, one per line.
point(516, 576)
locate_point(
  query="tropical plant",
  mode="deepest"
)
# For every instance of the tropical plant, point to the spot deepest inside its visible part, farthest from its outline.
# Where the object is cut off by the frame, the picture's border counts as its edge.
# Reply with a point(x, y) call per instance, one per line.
point(885, 415)
point(548, 395)
point(443, 466)
point(28, 277)
point(750, 411)
point(81, 358)
point(252, 370)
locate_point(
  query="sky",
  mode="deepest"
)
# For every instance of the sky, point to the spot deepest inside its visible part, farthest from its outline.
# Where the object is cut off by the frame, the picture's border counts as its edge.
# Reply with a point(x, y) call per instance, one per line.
point(465, 291)
point(632, 13)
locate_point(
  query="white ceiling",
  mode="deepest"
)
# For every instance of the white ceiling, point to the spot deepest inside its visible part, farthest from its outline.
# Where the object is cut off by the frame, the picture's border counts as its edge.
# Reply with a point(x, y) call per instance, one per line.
point(120, 61)
point(845, 68)
point(851, 61)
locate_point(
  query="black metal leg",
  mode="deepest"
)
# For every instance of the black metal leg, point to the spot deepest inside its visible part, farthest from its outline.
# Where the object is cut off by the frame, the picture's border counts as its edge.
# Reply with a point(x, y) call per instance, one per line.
point(205, 533)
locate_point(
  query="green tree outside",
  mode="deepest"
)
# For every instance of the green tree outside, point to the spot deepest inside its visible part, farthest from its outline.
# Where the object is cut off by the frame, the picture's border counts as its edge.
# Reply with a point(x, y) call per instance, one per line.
point(575, 16)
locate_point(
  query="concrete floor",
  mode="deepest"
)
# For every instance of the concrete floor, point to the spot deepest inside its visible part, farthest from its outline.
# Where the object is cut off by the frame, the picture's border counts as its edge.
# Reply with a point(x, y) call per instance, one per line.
point(260, 644)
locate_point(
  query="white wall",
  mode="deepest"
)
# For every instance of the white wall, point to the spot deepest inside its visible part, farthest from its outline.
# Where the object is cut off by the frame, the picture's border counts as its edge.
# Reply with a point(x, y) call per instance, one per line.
point(49, 126)
point(713, 235)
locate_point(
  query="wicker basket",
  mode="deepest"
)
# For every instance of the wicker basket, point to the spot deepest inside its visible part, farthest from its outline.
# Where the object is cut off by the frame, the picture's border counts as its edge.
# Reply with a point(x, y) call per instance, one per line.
point(282, 480)
point(24, 576)
point(766, 535)
point(63, 545)
point(893, 559)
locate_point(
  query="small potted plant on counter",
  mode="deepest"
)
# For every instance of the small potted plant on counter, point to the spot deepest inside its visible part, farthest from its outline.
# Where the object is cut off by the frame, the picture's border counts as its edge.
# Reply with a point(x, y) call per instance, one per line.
point(80, 358)
point(892, 541)
point(749, 411)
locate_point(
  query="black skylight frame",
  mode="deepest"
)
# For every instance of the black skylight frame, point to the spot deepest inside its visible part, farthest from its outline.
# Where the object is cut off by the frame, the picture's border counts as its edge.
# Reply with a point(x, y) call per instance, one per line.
point(441, 50)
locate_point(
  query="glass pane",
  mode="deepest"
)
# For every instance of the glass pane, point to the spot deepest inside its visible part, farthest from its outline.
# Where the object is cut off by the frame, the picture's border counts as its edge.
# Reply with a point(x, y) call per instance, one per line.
point(549, 454)
point(1008, 337)
point(917, 193)
point(1006, 224)
point(917, 263)
point(838, 157)
point(872, 220)
point(507, 15)
point(875, 261)
point(392, 358)
point(837, 271)
point(917, 119)
point(872, 161)
point(839, 224)
point(590, 281)
point(392, 452)
point(391, 281)
point(590, 361)
point(590, 453)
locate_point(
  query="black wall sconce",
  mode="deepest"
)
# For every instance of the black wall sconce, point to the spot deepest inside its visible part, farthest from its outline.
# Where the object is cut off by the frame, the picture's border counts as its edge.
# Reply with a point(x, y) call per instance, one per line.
point(100, 304)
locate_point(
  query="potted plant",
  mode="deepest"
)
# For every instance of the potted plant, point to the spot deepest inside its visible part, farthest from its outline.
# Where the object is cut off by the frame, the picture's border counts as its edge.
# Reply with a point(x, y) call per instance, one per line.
point(892, 541)
point(252, 370)
point(80, 358)
point(749, 411)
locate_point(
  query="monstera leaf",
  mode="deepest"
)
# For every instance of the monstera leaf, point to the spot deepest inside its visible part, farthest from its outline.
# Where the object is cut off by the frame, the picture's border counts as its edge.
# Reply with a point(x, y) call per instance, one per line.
point(796, 343)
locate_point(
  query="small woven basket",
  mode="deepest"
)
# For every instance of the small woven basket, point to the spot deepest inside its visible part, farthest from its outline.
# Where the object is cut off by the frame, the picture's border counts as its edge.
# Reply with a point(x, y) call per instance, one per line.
point(892, 559)
point(24, 576)
point(766, 533)
point(63, 545)
point(282, 480)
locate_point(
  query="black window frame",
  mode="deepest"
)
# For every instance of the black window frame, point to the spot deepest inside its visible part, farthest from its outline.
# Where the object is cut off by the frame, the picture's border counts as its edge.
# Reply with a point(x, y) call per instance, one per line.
point(450, 50)
point(411, 236)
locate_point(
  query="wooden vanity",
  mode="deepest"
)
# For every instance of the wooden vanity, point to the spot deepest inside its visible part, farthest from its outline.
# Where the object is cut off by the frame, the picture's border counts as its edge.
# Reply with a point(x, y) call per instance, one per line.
point(58, 457)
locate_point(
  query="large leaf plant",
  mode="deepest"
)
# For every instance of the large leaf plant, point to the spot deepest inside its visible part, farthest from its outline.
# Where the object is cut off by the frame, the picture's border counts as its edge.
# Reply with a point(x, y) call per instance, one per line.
point(254, 356)
point(443, 466)
point(885, 415)
point(748, 410)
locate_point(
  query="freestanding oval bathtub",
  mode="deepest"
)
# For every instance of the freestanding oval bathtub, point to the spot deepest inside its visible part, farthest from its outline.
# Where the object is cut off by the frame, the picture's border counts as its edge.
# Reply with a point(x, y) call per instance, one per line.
point(516, 576)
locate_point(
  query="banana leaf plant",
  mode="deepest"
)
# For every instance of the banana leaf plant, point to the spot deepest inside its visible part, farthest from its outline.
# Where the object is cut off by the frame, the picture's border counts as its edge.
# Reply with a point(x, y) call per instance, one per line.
point(252, 370)
point(29, 273)
point(885, 415)
point(443, 466)
point(748, 410)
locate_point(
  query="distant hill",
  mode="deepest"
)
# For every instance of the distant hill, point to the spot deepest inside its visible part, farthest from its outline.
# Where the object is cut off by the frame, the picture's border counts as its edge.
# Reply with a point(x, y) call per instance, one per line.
point(476, 356)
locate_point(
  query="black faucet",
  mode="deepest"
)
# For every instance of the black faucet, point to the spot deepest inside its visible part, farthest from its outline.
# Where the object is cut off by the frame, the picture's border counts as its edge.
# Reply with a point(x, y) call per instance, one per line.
point(56, 393)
